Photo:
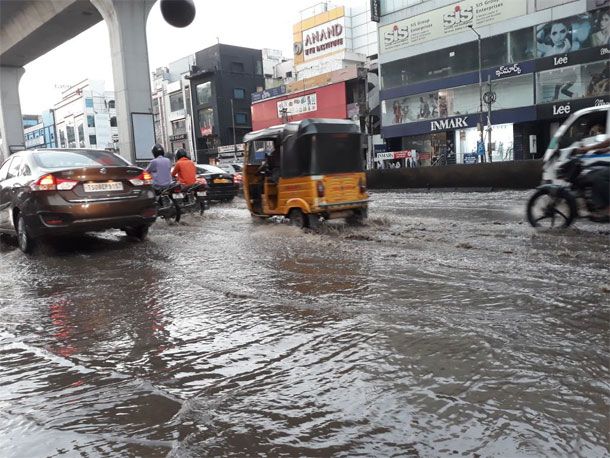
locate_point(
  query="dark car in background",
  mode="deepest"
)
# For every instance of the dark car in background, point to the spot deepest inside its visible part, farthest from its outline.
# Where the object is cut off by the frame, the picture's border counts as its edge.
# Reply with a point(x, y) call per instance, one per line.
point(236, 170)
point(221, 185)
point(52, 192)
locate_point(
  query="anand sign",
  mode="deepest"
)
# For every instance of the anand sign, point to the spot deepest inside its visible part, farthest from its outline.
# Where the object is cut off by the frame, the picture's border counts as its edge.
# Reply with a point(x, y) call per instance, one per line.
point(447, 21)
point(324, 39)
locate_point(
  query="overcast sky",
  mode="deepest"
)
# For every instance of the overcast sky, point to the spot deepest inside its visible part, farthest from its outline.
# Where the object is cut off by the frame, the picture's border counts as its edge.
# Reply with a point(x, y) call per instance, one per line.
point(251, 23)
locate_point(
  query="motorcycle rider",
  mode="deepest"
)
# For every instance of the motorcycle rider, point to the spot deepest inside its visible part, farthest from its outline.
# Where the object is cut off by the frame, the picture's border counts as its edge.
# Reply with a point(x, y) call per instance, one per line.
point(160, 168)
point(600, 178)
point(184, 170)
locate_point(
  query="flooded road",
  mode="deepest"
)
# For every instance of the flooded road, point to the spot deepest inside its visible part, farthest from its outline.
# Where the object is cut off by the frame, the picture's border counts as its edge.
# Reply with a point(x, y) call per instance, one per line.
point(444, 327)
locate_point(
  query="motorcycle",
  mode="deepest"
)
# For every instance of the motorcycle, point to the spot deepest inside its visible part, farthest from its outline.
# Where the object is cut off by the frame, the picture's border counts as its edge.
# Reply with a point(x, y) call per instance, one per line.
point(568, 194)
point(191, 198)
point(167, 207)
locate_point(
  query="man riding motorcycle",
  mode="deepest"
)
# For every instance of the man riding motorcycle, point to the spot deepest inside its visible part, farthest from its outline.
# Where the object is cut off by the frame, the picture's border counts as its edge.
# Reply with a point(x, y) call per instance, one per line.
point(185, 170)
point(160, 168)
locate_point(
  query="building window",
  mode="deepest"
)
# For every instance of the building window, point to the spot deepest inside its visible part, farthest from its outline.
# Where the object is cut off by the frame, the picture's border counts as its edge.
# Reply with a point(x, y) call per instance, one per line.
point(179, 127)
point(239, 93)
point(113, 121)
point(89, 103)
point(176, 102)
point(81, 136)
point(259, 67)
point(92, 140)
point(237, 67)
point(241, 118)
point(62, 139)
point(111, 104)
point(206, 121)
point(204, 93)
point(90, 121)
point(573, 82)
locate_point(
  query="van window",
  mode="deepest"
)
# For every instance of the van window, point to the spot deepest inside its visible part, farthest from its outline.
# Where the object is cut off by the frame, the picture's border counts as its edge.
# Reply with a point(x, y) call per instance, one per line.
point(587, 125)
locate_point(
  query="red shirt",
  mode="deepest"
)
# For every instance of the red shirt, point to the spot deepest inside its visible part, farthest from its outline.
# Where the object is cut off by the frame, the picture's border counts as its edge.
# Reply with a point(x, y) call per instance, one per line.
point(185, 171)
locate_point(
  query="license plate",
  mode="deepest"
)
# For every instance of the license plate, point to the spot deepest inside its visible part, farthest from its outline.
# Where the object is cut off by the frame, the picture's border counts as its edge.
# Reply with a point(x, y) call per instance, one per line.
point(202, 193)
point(178, 195)
point(101, 187)
point(221, 180)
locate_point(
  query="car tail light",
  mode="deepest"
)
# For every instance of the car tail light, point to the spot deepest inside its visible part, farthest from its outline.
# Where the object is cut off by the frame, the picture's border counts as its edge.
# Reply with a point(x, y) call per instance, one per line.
point(52, 183)
point(142, 179)
point(320, 188)
point(362, 186)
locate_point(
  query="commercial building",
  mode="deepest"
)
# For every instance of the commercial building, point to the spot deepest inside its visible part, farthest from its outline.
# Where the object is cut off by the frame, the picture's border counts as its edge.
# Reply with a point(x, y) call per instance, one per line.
point(221, 83)
point(42, 134)
point(86, 117)
point(335, 51)
point(539, 61)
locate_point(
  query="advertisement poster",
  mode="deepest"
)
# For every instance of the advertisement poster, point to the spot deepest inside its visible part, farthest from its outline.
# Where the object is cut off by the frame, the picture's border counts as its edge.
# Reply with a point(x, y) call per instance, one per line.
point(447, 21)
point(298, 105)
point(573, 33)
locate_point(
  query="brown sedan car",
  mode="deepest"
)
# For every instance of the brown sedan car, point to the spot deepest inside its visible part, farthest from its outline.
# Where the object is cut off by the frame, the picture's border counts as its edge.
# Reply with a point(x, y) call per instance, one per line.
point(58, 192)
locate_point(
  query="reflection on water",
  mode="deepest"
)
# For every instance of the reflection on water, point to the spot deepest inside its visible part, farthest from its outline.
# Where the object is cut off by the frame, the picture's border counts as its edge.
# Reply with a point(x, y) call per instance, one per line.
point(430, 332)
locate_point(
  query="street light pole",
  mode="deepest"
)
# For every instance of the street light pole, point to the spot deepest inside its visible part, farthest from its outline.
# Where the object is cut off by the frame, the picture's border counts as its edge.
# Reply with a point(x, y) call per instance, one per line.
point(234, 142)
point(480, 90)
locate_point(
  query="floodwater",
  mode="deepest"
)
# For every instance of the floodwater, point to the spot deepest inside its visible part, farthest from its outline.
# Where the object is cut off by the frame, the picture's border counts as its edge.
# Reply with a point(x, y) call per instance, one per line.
point(444, 327)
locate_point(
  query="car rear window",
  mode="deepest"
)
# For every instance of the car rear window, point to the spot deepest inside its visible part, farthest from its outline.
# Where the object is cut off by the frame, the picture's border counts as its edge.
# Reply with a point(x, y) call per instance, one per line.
point(67, 159)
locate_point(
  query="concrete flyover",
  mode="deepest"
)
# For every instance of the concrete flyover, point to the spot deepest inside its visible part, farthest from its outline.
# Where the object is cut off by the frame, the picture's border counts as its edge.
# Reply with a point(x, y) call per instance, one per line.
point(498, 175)
point(31, 28)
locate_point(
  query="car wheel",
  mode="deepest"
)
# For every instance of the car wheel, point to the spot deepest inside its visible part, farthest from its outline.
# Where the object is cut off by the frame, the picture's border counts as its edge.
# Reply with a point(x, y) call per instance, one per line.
point(297, 218)
point(25, 241)
point(139, 232)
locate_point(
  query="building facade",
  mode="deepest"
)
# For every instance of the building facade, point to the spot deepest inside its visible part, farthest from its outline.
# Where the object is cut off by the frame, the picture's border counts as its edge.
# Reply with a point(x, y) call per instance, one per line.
point(539, 62)
point(42, 135)
point(86, 117)
point(221, 84)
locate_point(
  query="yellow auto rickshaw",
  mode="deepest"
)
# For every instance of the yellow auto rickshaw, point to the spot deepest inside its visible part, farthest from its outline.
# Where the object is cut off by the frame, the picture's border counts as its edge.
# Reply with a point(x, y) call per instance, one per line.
point(308, 171)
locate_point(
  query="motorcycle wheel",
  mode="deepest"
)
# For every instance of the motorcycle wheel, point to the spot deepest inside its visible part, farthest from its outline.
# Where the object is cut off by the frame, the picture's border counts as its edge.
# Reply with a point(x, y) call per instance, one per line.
point(169, 209)
point(551, 211)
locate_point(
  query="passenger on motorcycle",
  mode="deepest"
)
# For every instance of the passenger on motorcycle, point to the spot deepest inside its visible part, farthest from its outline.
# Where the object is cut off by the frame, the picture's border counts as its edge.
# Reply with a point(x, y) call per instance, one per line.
point(160, 168)
point(184, 170)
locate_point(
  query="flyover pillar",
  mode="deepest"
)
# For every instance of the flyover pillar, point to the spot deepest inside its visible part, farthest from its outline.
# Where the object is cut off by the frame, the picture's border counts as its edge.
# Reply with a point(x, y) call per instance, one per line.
point(126, 21)
point(11, 122)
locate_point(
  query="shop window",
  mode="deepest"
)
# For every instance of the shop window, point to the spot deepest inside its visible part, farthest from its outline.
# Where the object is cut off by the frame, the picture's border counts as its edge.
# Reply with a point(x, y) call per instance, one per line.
point(204, 93)
point(568, 83)
point(521, 45)
point(494, 51)
point(92, 140)
point(206, 121)
point(241, 118)
point(90, 121)
point(239, 93)
point(176, 102)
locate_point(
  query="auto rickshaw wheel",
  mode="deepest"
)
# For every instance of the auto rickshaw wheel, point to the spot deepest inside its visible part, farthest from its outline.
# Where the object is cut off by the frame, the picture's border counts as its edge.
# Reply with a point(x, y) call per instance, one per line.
point(297, 218)
point(313, 221)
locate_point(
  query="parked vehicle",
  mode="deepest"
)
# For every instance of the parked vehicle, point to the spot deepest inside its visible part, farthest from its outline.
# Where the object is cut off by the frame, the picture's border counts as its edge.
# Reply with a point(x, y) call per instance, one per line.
point(572, 164)
point(306, 171)
point(221, 185)
point(51, 192)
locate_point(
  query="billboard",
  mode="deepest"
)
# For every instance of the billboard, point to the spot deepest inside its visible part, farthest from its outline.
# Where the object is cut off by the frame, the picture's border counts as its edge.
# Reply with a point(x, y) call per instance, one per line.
point(447, 21)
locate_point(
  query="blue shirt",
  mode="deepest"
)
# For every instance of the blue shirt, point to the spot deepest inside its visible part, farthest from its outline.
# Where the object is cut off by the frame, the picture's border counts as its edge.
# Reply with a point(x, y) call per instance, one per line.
point(160, 168)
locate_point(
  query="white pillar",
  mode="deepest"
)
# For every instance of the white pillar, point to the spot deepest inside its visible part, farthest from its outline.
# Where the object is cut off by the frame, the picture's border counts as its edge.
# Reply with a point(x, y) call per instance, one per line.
point(126, 21)
point(11, 122)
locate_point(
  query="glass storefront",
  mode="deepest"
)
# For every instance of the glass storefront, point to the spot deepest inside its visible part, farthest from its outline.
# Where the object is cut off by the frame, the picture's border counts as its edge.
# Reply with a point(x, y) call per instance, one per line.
point(511, 93)
point(502, 144)
point(575, 82)
point(515, 46)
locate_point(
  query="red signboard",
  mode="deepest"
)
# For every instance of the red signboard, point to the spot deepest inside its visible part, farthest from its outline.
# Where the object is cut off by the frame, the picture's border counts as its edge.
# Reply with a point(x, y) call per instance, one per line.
point(331, 102)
